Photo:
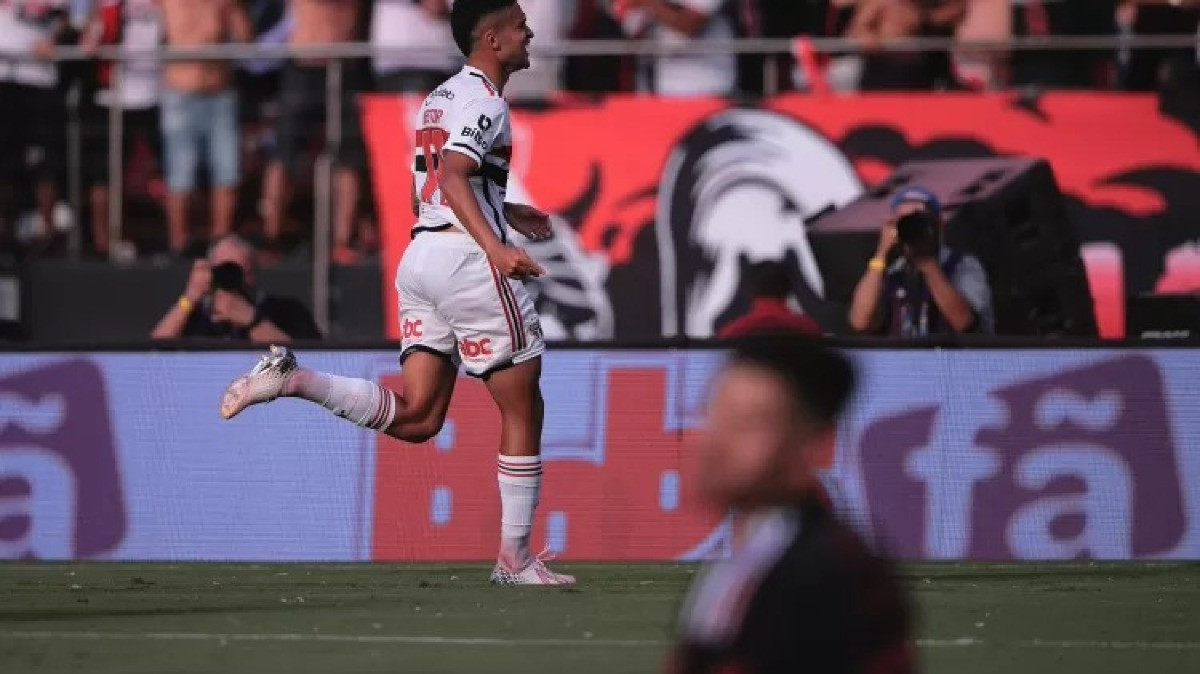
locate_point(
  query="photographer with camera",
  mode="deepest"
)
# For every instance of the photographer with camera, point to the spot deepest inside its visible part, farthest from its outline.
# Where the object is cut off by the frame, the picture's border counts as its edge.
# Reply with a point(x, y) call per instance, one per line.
point(915, 286)
point(222, 301)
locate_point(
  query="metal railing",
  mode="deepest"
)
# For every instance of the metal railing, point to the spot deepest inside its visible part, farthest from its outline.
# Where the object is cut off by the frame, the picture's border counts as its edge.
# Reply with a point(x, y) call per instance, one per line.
point(334, 55)
point(737, 46)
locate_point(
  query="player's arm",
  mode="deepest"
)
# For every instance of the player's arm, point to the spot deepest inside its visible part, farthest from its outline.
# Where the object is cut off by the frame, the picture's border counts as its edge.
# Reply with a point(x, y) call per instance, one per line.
point(528, 220)
point(471, 136)
point(456, 169)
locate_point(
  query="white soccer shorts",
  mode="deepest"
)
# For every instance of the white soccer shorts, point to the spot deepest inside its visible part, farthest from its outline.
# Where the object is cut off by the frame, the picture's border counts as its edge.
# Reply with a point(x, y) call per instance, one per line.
point(453, 302)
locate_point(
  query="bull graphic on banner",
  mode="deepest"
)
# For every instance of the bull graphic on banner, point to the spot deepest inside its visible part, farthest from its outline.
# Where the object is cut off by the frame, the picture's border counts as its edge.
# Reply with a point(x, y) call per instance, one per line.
point(660, 205)
point(737, 190)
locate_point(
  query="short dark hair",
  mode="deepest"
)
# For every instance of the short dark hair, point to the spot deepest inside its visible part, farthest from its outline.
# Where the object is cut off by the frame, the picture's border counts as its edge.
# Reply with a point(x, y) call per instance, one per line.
point(769, 279)
point(820, 379)
point(465, 17)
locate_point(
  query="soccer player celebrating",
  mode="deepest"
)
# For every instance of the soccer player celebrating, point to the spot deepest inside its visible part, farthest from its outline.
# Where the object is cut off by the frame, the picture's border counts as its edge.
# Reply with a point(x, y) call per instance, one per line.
point(459, 285)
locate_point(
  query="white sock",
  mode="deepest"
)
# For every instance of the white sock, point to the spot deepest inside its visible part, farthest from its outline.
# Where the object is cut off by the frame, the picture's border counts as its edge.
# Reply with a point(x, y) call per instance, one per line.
point(520, 479)
point(359, 401)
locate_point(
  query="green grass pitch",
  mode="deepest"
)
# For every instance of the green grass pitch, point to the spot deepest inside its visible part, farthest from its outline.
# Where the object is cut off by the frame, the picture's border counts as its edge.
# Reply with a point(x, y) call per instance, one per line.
point(298, 618)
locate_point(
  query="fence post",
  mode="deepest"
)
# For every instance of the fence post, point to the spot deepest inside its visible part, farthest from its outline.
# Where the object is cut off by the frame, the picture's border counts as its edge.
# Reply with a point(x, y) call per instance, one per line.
point(116, 176)
point(74, 168)
point(323, 194)
point(770, 75)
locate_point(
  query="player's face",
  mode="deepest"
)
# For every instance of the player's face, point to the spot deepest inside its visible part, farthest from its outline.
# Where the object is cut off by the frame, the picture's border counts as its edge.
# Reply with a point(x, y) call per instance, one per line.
point(754, 450)
point(513, 36)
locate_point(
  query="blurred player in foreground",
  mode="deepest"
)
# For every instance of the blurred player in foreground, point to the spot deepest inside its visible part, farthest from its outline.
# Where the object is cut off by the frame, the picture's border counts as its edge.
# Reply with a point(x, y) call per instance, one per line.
point(800, 591)
point(461, 299)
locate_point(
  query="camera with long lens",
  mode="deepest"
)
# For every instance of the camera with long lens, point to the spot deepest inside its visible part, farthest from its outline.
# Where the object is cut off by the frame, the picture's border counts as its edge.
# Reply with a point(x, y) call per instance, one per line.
point(229, 276)
point(916, 228)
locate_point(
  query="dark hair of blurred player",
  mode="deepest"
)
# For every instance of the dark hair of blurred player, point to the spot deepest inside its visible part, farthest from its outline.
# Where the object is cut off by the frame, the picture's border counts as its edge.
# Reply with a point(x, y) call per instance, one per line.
point(800, 590)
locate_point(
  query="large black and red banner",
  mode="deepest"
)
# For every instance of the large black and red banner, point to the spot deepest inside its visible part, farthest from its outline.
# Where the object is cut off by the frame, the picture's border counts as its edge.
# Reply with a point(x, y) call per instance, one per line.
point(634, 180)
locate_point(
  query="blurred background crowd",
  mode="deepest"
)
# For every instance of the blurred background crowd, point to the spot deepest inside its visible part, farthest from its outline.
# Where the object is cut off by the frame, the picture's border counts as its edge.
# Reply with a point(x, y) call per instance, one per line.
point(228, 145)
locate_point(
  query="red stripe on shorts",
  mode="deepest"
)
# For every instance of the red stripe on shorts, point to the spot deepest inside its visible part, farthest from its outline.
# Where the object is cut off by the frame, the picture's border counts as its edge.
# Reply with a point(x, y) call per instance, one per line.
point(505, 306)
point(522, 342)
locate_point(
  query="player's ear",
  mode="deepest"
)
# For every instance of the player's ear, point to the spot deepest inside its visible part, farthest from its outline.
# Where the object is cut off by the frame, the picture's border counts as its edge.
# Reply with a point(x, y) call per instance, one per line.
point(490, 38)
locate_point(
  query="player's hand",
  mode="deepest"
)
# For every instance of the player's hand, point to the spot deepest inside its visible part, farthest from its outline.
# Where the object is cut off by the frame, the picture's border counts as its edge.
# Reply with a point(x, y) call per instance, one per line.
point(529, 221)
point(199, 282)
point(514, 262)
point(230, 307)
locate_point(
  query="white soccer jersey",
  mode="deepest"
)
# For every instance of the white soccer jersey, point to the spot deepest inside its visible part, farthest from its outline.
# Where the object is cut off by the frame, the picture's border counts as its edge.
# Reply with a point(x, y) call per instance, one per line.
point(466, 114)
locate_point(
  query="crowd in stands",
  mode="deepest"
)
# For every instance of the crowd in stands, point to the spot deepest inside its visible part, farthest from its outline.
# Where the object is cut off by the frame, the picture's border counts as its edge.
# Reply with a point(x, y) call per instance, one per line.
point(245, 133)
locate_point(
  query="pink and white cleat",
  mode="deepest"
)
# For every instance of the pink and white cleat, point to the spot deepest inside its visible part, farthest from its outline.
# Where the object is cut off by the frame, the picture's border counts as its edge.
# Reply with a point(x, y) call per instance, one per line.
point(534, 573)
point(262, 384)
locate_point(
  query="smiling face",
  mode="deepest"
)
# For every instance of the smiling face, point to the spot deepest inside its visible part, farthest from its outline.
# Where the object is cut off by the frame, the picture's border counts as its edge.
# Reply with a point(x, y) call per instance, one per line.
point(509, 35)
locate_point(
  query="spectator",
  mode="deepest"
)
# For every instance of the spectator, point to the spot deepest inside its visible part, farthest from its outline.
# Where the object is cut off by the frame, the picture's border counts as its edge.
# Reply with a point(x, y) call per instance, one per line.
point(930, 289)
point(199, 113)
point(137, 26)
point(302, 116)
point(1150, 69)
point(603, 74)
point(770, 289)
point(422, 28)
point(32, 119)
point(222, 300)
point(800, 591)
point(877, 22)
point(679, 22)
point(985, 21)
point(1071, 68)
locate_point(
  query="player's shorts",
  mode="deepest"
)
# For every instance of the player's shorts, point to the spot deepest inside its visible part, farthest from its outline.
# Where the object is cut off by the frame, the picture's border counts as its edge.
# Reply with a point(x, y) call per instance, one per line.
point(454, 303)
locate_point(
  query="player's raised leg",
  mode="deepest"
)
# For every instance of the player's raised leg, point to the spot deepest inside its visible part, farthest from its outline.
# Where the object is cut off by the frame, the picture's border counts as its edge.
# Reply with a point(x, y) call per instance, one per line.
point(415, 415)
point(428, 353)
point(517, 393)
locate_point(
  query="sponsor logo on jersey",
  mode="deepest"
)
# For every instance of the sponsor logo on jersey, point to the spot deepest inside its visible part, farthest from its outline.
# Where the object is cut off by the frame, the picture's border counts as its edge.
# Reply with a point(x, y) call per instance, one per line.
point(433, 116)
point(475, 135)
point(442, 92)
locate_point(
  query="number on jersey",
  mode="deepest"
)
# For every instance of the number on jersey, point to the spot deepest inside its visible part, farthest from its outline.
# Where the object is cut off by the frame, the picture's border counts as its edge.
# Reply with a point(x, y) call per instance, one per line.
point(430, 141)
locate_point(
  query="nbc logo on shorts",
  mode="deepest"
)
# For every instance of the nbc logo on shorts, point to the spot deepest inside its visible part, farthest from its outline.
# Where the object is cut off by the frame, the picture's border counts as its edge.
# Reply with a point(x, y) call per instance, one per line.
point(475, 348)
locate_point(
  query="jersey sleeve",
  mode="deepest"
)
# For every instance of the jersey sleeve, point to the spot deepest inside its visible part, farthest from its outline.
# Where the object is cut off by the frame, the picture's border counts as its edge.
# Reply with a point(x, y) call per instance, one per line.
point(476, 126)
